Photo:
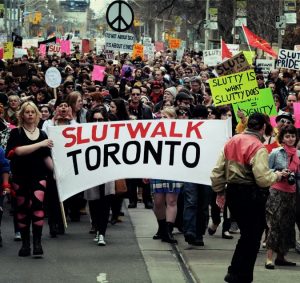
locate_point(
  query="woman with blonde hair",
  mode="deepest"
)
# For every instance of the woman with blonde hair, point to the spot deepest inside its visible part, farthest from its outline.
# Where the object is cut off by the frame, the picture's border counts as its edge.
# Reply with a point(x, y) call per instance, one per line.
point(28, 148)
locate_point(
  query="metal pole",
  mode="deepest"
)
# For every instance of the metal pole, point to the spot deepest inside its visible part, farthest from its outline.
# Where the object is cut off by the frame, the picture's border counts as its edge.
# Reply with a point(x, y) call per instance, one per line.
point(234, 17)
point(9, 19)
point(5, 17)
point(280, 9)
point(207, 31)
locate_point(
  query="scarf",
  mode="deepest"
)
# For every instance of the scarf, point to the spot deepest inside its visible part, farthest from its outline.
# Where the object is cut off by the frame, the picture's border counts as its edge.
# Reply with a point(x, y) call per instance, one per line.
point(293, 158)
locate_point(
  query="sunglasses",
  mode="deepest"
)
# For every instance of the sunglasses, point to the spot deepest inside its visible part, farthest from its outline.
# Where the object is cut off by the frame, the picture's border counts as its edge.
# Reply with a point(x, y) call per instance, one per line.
point(135, 94)
point(285, 121)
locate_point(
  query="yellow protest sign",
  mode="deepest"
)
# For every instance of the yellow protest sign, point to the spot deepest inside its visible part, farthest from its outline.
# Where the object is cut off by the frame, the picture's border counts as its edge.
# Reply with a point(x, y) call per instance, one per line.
point(234, 88)
point(174, 43)
point(138, 50)
point(8, 48)
point(250, 55)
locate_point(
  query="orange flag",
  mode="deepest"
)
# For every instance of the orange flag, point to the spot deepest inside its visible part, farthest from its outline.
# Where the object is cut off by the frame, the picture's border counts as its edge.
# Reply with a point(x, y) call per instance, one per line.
point(258, 42)
point(225, 51)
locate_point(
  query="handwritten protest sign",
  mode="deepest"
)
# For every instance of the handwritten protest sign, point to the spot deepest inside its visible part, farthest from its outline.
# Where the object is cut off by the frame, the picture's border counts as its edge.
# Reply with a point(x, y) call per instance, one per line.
point(265, 65)
point(236, 64)
point(159, 46)
point(262, 103)
point(43, 49)
point(234, 88)
point(212, 57)
point(8, 48)
point(19, 52)
point(98, 73)
point(138, 51)
point(54, 49)
point(288, 59)
point(174, 43)
point(31, 42)
point(119, 41)
point(90, 154)
point(296, 106)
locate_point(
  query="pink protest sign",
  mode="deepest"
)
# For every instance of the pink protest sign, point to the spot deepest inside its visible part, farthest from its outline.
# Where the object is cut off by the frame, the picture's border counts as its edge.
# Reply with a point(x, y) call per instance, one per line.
point(296, 106)
point(98, 73)
point(58, 40)
point(273, 122)
point(159, 46)
point(1, 53)
point(65, 46)
point(43, 49)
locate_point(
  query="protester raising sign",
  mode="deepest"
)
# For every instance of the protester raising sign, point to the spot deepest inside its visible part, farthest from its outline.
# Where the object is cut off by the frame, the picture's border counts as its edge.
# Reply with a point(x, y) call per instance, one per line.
point(87, 155)
point(212, 57)
point(237, 63)
point(234, 88)
point(119, 41)
point(262, 103)
point(288, 59)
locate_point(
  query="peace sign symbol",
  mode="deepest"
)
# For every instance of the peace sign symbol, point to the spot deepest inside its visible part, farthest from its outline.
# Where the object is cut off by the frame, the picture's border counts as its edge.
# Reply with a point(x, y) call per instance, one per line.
point(119, 16)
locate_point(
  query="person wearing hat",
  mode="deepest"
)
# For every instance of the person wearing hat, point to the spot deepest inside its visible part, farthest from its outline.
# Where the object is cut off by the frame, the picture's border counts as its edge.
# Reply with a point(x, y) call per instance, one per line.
point(242, 170)
point(169, 95)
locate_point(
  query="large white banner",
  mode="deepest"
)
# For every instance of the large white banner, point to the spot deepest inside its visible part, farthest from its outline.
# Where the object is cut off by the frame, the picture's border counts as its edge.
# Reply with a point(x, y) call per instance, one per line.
point(87, 155)
point(119, 41)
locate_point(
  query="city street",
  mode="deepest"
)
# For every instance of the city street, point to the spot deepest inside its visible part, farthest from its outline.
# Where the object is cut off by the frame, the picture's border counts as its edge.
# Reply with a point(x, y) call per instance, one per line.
point(130, 256)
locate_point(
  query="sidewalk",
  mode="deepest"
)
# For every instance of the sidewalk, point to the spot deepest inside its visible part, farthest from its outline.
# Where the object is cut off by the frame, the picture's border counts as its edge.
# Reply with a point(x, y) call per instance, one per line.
point(207, 264)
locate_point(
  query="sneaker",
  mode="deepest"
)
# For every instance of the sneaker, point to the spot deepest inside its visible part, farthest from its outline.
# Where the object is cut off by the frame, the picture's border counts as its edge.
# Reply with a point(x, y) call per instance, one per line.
point(96, 239)
point(234, 228)
point(17, 237)
point(101, 241)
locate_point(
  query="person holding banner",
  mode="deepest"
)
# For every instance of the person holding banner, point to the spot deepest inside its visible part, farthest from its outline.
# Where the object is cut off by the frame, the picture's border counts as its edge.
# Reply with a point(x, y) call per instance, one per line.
point(165, 194)
point(243, 174)
point(28, 148)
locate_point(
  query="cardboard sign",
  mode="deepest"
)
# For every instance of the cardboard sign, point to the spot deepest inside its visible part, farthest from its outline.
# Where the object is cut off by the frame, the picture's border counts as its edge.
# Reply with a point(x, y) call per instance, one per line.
point(236, 64)
point(250, 55)
point(234, 88)
point(54, 49)
point(296, 106)
point(53, 77)
point(262, 103)
point(265, 65)
point(288, 59)
point(119, 41)
point(19, 52)
point(8, 48)
point(212, 57)
point(138, 51)
point(65, 46)
point(98, 73)
point(149, 51)
point(28, 43)
point(174, 43)
point(90, 154)
point(43, 49)
point(159, 46)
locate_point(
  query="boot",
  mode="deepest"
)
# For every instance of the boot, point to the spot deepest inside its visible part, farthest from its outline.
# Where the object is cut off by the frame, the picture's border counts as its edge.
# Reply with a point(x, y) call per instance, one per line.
point(161, 229)
point(37, 236)
point(37, 247)
point(25, 249)
point(168, 236)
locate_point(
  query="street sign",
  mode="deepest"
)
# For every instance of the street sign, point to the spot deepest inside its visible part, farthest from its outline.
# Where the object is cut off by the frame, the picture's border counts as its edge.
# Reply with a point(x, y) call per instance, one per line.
point(280, 22)
point(119, 16)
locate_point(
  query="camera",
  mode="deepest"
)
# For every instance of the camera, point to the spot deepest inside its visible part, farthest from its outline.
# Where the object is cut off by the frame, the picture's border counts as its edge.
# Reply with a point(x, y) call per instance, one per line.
point(291, 178)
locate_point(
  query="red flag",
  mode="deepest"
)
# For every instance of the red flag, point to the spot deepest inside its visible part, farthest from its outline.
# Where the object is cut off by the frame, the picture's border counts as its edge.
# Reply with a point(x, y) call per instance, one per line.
point(258, 42)
point(225, 51)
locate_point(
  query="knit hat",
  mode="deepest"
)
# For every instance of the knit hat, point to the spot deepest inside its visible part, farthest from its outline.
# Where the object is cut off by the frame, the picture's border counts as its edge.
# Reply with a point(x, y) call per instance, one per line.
point(172, 90)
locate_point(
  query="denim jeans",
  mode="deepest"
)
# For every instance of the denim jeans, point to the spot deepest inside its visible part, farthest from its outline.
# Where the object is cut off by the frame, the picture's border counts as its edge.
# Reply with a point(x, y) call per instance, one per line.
point(196, 209)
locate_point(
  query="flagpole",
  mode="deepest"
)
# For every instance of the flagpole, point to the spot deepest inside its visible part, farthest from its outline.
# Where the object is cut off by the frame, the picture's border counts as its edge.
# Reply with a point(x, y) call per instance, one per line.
point(246, 38)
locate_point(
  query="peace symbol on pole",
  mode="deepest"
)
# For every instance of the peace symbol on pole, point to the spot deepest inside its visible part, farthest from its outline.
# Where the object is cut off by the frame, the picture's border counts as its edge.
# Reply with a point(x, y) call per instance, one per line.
point(119, 16)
